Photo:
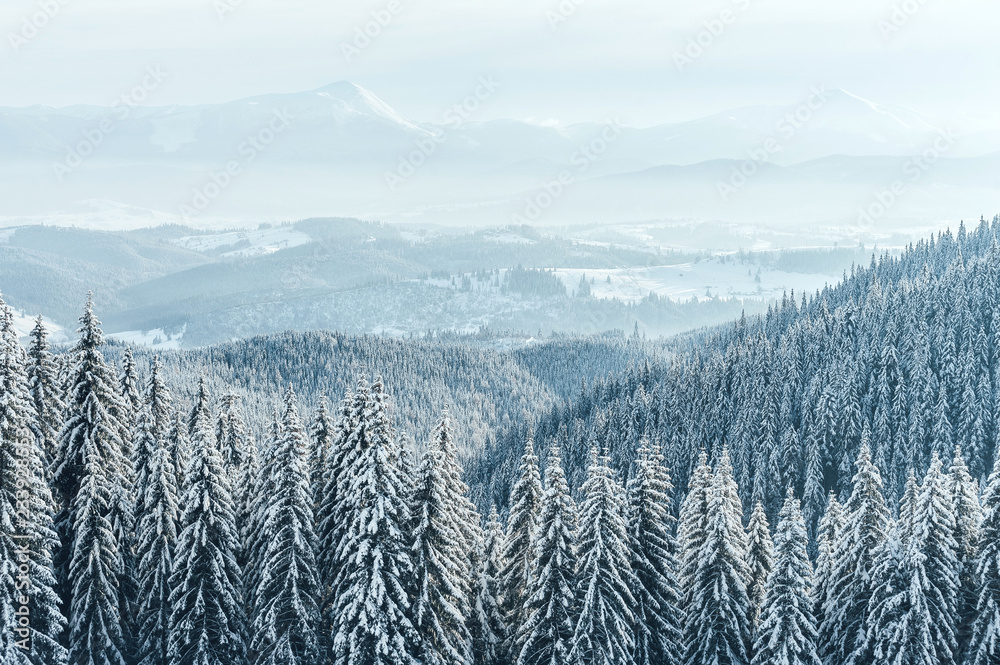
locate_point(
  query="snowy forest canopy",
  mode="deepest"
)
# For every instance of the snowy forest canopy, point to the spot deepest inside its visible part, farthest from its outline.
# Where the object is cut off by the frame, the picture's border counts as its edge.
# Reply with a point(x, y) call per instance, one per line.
point(858, 427)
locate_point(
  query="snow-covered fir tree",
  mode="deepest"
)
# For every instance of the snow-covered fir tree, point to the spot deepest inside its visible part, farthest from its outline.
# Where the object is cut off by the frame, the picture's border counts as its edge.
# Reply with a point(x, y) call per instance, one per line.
point(717, 626)
point(322, 434)
point(907, 508)
point(253, 534)
point(332, 517)
point(96, 630)
point(373, 624)
point(760, 558)
point(286, 616)
point(158, 398)
point(179, 447)
point(964, 491)
point(550, 602)
point(200, 410)
point(441, 564)
point(466, 518)
point(984, 640)
point(519, 546)
point(131, 394)
point(46, 395)
point(787, 634)
point(93, 481)
point(829, 527)
point(207, 620)
point(232, 434)
point(487, 625)
point(156, 534)
point(843, 634)
point(30, 618)
point(659, 624)
point(605, 633)
point(914, 608)
point(692, 528)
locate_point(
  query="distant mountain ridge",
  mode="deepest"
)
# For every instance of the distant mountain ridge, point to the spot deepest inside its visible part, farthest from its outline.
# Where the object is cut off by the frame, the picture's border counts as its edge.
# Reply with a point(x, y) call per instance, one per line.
point(340, 143)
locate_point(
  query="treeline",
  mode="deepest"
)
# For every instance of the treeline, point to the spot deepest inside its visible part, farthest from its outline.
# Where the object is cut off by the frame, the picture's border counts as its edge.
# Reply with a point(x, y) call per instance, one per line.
point(133, 534)
point(905, 352)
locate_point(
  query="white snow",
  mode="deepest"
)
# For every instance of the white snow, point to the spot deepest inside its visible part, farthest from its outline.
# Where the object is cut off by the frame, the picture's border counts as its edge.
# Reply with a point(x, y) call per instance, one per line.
point(24, 322)
point(261, 241)
point(156, 339)
point(682, 281)
point(509, 239)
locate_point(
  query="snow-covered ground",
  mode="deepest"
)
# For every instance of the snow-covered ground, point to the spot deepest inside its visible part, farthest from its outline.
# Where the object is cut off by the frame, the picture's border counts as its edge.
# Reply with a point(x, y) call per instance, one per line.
point(156, 339)
point(261, 241)
point(25, 322)
point(713, 277)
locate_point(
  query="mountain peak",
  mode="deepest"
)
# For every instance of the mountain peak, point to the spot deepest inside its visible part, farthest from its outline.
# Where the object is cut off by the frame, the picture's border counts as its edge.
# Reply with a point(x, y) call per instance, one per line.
point(351, 97)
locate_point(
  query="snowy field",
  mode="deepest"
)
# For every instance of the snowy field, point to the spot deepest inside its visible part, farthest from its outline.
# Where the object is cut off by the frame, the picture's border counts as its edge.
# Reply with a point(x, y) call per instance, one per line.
point(247, 242)
point(714, 277)
point(154, 339)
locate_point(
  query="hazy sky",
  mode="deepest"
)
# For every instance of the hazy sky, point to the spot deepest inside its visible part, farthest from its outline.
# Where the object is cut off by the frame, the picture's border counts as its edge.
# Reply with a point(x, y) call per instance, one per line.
point(566, 62)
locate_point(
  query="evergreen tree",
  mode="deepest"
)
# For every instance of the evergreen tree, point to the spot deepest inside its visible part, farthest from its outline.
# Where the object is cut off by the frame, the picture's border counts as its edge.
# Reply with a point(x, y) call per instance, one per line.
point(96, 623)
point(323, 433)
point(487, 626)
point(46, 396)
point(913, 618)
point(717, 629)
point(760, 557)
point(519, 546)
point(659, 624)
point(207, 624)
point(440, 560)
point(692, 529)
point(254, 538)
point(131, 402)
point(156, 528)
point(843, 634)
point(287, 615)
point(908, 508)
point(829, 527)
point(179, 447)
point(159, 400)
point(232, 435)
point(984, 642)
point(372, 617)
point(30, 619)
point(93, 480)
point(550, 604)
point(787, 631)
point(200, 409)
point(332, 518)
point(964, 493)
point(604, 628)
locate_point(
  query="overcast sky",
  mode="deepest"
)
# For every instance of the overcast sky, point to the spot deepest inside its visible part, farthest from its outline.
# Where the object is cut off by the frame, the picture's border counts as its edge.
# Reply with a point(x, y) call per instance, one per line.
point(589, 60)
